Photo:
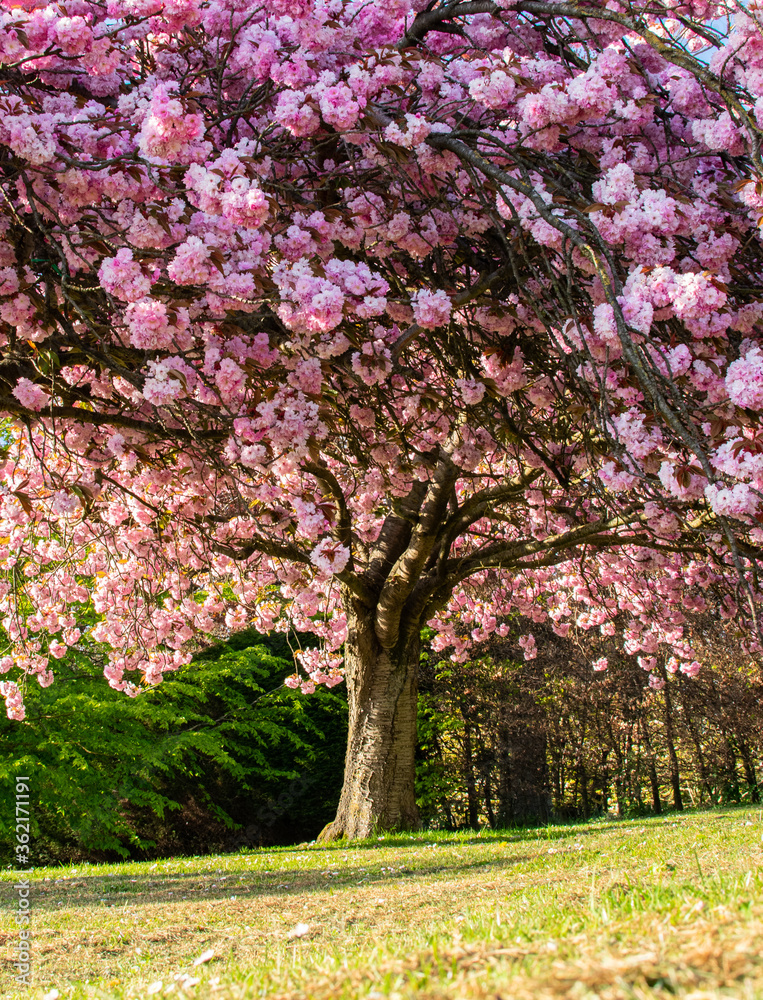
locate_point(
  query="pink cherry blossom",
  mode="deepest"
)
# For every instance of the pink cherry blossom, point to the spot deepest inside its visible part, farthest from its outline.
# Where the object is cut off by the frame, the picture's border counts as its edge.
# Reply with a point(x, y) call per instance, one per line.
point(329, 556)
point(169, 132)
point(124, 277)
point(31, 395)
point(470, 390)
point(14, 701)
point(527, 642)
point(431, 309)
point(744, 380)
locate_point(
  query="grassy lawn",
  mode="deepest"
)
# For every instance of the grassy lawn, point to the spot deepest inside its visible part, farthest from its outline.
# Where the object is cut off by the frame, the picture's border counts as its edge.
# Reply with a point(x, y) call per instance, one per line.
point(663, 907)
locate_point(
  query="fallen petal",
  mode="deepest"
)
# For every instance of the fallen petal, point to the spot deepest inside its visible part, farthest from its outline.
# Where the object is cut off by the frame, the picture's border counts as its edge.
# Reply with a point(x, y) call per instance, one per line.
point(205, 956)
point(299, 931)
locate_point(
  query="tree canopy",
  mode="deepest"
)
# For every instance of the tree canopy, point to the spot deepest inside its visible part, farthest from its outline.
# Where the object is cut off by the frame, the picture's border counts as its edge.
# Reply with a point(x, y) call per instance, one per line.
point(423, 312)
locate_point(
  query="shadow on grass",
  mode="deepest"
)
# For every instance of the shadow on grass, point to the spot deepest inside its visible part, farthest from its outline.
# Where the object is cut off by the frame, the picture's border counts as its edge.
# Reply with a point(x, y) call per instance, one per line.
point(509, 835)
point(118, 890)
point(241, 881)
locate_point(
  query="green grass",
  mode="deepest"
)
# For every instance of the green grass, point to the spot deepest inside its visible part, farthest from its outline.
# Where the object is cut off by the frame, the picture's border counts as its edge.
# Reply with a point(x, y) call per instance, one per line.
point(663, 907)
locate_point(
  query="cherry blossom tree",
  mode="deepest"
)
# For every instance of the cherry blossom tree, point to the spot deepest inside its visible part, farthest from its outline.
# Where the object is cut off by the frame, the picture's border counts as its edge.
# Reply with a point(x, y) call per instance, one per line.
point(346, 317)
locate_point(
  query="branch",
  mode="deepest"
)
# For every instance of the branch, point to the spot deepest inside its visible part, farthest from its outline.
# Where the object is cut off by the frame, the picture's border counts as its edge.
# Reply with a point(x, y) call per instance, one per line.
point(328, 478)
point(10, 405)
point(405, 573)
point(433, 600)
point(429, 20)
point(475, 509)
point(507, 555)
point(462, 299)
point(395, 535)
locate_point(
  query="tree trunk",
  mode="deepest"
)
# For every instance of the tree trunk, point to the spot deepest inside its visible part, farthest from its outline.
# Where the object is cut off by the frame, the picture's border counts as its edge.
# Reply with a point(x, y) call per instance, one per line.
point(584, 792)
point(675, 773)
point(700, 757)
point(504, 776)
point(382, 689)
point(749, 771)
point(731, 791)
point(620, 771)
point(488, 786)
point(471, 785)
point(444, 802)
point(530, 793)
point(604, 782)
point(656, 804)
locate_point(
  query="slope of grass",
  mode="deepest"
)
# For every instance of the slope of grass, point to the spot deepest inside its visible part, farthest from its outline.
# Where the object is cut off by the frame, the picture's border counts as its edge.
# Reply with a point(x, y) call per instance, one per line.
point(664, 907)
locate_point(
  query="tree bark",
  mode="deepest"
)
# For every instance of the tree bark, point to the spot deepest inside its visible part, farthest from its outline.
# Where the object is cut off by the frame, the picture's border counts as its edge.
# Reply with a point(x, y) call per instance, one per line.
point(656, 804)
point(530, 792)
point(731, 791)
point(749, 770)
point(504, 775)
point(700, 757)
point(472, 817)
point(444, 801)
point(382, 689)
point(488, 792)
point(675, 773)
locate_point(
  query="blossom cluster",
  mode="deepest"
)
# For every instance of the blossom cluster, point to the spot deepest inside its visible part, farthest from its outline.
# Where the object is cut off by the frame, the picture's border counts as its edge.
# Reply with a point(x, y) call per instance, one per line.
point(309, 305)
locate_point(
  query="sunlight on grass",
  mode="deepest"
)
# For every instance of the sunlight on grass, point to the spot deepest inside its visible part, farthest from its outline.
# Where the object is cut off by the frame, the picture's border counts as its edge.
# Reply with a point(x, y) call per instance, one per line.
point(669, 906)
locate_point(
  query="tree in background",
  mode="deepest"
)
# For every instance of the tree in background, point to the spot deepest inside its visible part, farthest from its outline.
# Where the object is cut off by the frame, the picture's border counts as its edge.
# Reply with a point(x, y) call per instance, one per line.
point(346, 318)
point(505, 742)
point(221, 756)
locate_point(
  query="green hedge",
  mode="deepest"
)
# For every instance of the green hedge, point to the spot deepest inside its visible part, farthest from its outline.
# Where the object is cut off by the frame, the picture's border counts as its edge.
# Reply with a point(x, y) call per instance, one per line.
point(219, 755)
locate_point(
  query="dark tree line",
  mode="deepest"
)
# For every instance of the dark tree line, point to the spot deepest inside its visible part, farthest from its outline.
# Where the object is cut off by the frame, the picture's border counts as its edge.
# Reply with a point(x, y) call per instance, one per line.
point(504, 741)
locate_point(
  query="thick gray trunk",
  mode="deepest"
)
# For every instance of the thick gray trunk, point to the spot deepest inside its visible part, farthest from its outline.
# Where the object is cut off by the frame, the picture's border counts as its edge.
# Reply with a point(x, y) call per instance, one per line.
point(382, 689)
